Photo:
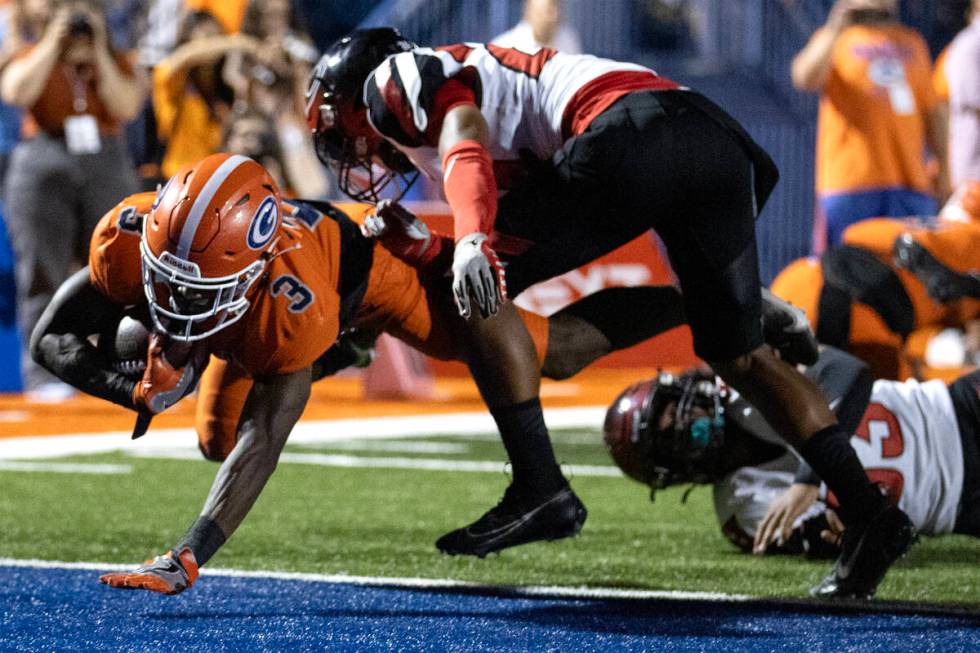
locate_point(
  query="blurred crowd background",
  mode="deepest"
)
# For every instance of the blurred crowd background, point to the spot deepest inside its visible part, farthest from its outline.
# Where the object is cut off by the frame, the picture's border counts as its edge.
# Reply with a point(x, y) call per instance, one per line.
point(101, 98)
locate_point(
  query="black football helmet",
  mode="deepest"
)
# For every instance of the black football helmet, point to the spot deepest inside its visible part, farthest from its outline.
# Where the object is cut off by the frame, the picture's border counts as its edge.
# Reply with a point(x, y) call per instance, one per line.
point(366, 163)
point(669, 429)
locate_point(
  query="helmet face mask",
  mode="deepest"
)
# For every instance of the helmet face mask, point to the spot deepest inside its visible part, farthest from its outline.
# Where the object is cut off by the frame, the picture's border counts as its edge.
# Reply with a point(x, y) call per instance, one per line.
point(205, 244)
point(687, 428)
point(187, 307)
point(668, 430)
point(368, 167)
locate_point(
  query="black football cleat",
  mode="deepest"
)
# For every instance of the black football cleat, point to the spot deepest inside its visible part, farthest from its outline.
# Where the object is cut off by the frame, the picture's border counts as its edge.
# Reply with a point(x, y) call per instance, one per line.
point(786, 328)
point(943, 284)
point(867, 555)
point(517, 520)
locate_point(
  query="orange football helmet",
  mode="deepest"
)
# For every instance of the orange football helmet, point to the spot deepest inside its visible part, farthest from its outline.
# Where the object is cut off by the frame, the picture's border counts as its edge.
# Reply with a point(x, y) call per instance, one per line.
point(206, 241)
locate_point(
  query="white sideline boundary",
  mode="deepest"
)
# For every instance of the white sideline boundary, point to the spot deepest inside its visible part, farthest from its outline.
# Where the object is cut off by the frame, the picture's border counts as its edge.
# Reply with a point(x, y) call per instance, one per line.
point(64, 468)
point(386, 462)
point(557, 591)
point(305, 432)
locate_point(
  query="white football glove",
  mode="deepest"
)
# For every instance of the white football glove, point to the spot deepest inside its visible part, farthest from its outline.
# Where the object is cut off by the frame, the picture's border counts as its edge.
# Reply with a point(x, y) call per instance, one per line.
point(477, 276)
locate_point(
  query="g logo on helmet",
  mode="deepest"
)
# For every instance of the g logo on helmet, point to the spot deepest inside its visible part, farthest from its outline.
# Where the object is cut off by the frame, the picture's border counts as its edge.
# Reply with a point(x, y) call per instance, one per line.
point(264, 224)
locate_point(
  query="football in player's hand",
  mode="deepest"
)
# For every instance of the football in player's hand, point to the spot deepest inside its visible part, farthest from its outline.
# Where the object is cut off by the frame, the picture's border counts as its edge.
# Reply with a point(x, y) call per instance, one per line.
point(126, 346)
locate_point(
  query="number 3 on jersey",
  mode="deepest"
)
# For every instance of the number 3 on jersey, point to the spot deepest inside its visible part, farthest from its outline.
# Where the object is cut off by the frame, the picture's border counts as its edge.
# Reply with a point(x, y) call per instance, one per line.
point(881, 430)
point(298, 294)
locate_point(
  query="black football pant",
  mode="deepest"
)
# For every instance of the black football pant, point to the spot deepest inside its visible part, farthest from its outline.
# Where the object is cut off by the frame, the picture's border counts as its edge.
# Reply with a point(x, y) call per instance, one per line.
point(667, 160)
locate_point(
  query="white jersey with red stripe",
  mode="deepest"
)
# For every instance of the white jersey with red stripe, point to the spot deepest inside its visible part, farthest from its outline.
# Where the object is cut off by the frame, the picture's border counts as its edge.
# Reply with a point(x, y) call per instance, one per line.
point(908, 442)
point(528, 99)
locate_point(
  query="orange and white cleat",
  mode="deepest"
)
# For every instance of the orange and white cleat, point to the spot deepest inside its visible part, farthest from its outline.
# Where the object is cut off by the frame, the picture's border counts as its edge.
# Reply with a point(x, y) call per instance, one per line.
point(170, 573)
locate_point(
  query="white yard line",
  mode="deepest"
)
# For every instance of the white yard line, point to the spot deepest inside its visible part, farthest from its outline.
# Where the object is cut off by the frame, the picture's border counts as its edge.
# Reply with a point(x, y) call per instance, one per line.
point(64, 468)
point(306, 432)
point(419, 583)
point(410, 446)
point(426, 464)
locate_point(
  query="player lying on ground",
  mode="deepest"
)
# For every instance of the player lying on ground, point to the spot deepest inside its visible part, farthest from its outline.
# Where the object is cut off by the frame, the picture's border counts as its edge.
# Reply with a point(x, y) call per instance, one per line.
point(919, 441)
point(590, 154)
point(890, 281)
point(224, 268)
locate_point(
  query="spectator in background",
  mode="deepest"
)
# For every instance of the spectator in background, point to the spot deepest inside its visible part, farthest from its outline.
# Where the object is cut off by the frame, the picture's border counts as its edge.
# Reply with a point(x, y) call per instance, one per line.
point(191, 98)
point(877, 113)
point(962, 69)
point(72, 166)
point(253, 134)
point(228, 12)
point(541, 27)
point(274, 83)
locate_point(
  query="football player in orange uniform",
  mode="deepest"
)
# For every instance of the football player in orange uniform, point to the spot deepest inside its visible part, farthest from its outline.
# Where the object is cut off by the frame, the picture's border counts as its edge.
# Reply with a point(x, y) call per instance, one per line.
point(889, 279)
point(224, 268)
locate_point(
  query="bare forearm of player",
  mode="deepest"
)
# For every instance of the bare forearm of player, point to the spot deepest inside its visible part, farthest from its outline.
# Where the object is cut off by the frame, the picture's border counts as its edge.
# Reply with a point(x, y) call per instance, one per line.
point(122, 94)
point(272, 409)
point(811, 67)
point(24, 80)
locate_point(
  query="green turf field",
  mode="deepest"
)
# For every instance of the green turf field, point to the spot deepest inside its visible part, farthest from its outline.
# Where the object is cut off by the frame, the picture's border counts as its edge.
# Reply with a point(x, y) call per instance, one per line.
point(383, 522)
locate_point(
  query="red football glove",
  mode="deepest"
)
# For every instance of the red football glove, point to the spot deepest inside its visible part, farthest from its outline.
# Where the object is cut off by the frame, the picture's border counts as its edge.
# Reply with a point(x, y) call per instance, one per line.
point(171, 573)
point(403, 234)
point(478, 276)
point(163, 385)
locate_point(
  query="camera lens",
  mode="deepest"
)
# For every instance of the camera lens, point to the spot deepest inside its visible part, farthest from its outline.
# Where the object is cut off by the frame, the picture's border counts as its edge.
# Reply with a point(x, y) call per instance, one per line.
point(79, 25)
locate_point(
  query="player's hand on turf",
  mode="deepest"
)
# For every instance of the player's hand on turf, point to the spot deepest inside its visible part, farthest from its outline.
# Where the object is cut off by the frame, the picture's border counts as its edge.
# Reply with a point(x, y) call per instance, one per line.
point(171, 573)
point(165, 383)
point(777, 524)
point(478, 276)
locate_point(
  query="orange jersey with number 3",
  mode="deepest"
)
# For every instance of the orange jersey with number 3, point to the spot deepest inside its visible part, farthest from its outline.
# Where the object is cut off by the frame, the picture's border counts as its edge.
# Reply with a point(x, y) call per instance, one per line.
point(294, 313)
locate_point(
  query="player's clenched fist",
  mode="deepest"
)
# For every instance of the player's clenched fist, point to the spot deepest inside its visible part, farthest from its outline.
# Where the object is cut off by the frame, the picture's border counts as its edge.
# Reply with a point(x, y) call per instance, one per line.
point(171, 573)
point(478, 276)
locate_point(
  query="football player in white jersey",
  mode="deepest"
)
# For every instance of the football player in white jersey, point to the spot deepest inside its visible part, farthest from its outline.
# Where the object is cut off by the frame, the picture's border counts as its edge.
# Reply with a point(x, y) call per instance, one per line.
point(920, 442)
point(551, 160)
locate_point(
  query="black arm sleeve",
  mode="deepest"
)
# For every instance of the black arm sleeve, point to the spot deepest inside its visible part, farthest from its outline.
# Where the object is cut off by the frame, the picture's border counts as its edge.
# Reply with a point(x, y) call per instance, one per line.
point(60, 344)
point(846, 383)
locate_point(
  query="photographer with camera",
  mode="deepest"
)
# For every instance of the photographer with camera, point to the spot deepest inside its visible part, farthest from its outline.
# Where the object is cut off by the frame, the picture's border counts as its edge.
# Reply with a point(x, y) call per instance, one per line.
point(273, 82)
point(878, 112)
point(191, 94)
point(73, 164)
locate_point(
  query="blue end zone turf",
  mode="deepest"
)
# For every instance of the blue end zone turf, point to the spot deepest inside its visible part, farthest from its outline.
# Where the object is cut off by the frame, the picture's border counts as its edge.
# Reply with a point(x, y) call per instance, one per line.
point(68, 610)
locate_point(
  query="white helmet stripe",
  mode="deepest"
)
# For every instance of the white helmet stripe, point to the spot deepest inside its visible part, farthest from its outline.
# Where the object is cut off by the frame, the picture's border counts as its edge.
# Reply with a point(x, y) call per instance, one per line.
point(203, 200)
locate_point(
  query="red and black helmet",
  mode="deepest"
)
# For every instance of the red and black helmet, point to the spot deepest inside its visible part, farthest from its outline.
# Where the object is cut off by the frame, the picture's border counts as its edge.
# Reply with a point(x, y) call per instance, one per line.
point(669, 429)
point(366, 164)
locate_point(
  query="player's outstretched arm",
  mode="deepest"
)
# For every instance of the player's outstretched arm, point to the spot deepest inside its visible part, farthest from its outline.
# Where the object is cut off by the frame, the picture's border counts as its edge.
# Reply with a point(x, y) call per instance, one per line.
point(59, 342)
point(471, 190)
point(272, 409)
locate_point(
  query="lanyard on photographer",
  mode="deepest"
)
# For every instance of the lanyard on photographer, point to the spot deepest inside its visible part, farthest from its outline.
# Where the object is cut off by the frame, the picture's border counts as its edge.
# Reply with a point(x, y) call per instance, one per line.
point(81, 128)
point(78, 80)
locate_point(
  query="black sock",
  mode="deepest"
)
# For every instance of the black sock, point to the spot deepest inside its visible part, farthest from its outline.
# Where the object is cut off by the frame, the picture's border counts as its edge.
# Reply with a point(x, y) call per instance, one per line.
point(831, 456)
point(204, 537)
point(528, 446)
